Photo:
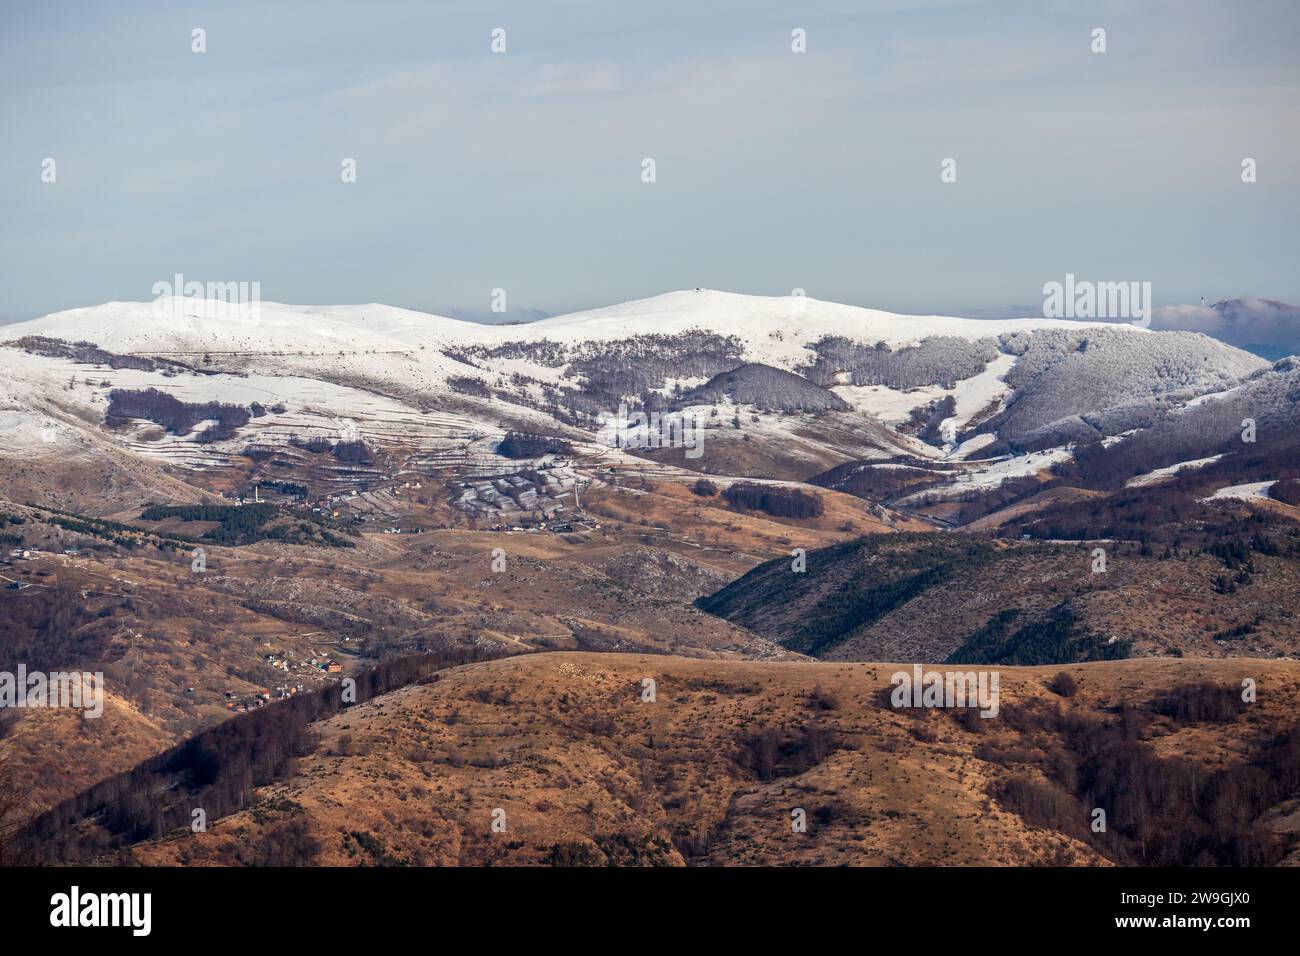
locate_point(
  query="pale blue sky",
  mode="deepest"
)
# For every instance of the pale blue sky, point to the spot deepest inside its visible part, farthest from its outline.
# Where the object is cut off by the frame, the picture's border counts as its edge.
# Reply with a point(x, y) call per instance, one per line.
point(522, 170)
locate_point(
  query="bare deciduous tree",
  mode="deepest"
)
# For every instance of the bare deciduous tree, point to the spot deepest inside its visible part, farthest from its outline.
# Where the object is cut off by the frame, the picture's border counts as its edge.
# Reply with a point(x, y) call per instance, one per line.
point(13, 806)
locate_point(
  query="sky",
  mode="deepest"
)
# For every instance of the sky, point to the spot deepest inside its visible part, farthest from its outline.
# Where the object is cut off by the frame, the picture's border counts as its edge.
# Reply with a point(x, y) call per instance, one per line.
point(523, 170)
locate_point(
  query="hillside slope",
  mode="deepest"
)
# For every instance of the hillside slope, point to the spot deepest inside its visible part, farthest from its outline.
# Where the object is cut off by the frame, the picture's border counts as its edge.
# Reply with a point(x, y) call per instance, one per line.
point(949, 597)
point(579, 770)
point(785, 388)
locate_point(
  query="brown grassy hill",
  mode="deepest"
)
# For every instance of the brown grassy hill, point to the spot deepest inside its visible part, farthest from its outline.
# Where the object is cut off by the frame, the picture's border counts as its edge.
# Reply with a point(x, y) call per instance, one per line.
point(583, 771)
point(669, 510)
point(918, 597)
point(181, 650)
point(50, 754)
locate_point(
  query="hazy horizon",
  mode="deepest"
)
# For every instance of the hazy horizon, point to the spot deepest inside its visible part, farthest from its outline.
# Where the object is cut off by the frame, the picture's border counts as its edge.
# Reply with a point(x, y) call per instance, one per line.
point(522, 170)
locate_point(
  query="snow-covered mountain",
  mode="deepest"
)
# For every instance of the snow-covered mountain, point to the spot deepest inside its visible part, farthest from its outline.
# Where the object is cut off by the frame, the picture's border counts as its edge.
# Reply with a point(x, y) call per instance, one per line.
point(444, 391)
point(774, 330)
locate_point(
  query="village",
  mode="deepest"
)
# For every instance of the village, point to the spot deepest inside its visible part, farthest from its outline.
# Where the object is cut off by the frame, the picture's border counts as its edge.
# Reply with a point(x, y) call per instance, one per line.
point(312, 669)
point(298, 675)
point(541, 497)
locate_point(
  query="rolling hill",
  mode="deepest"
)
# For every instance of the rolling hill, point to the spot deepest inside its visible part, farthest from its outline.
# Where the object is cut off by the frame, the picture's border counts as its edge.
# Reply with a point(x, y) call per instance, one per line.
point(560, 760)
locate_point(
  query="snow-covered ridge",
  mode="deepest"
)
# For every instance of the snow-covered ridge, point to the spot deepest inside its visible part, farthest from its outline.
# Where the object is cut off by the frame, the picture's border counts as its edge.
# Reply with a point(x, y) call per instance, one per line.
point(189, 325)
point(1006, 378)
point(774, 329)
point(810, 385)
point(775, 325)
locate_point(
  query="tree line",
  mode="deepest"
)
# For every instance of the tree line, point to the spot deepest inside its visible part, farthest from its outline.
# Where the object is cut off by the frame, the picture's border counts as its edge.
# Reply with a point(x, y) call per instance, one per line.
point(217, 770)
point(179, 418)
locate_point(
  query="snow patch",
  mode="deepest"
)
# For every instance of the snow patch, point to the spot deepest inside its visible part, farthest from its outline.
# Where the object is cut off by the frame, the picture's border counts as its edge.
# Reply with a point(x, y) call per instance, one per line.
point(1159, 474)
point(1254, 491)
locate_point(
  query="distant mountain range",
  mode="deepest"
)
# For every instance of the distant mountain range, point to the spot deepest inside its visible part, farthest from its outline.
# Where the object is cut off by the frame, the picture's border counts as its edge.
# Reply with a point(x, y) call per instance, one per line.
point(1268, 328)
point(786, 387)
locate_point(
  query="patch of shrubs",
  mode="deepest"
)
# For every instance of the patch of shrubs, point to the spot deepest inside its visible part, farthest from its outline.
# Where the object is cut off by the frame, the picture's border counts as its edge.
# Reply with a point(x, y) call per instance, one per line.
point(177, 417)
point(1200, 703)
point(1287, 491)
point(819, 699)
point(372, 845)
point(524, 445)
point(352, 452)
point(615, 849)
point(1063, 685)
point(785, 753)
point(289, 844)
point(704, 488)
point(1044, 803)
point(316, 445)
point(1160, 811)
point(778, 501)
point(290, 488)
point(1058, 638)
point(469, 386)
point(236, 524)
point(1240, 631)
